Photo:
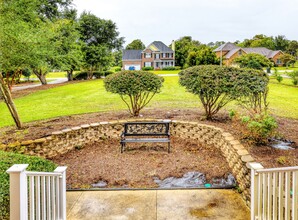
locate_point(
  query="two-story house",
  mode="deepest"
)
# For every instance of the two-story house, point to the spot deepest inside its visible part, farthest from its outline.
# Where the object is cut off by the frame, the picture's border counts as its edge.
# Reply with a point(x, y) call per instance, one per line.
point(230, 51)
point(156, 55)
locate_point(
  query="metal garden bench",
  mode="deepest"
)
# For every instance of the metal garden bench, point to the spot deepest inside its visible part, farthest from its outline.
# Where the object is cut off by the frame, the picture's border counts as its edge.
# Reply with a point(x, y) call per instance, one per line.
point(150, 132)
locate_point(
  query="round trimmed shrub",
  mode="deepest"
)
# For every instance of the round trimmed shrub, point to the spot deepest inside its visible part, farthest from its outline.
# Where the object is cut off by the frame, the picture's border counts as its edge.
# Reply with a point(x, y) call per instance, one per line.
point(217, 86)
point(136, 88)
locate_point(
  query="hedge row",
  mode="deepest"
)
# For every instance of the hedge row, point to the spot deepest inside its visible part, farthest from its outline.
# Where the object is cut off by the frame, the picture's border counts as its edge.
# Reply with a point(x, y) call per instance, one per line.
point(6, 161)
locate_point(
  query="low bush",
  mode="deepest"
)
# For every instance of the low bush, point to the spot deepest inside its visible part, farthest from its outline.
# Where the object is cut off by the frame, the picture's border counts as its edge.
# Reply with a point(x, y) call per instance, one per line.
point(279, 78)
point(260, 127)
point(107, 72)
point(118, 69)
point(294, 77)
point(147, 68)
point(97, 75)
point(136, 88)
point(169, 68)
point(7, 159)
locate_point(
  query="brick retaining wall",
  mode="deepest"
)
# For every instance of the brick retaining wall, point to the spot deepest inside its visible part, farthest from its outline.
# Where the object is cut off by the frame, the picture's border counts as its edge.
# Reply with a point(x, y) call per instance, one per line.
point(61, 142)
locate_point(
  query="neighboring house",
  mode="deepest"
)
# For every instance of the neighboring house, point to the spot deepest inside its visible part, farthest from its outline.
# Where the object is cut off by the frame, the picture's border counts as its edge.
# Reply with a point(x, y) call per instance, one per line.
point(156, 55)
point(230, 51)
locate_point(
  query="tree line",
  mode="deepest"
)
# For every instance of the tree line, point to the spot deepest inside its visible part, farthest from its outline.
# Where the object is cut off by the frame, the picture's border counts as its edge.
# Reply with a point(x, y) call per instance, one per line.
point(190, 52)
point(41, 35)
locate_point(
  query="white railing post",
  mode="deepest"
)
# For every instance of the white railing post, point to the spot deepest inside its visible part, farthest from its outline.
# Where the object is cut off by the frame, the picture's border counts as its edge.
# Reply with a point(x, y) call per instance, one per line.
point(62, 191)
point(18, 192)
point(254, 189)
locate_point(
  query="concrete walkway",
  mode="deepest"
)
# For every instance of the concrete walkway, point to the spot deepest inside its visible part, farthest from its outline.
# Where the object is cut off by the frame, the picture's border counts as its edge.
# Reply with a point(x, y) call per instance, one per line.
point(156, 205)
point(55, 81)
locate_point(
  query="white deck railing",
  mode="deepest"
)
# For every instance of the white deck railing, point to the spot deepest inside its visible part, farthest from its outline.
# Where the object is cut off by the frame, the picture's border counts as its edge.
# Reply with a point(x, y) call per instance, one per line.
point(274, 193)
point(47, 194)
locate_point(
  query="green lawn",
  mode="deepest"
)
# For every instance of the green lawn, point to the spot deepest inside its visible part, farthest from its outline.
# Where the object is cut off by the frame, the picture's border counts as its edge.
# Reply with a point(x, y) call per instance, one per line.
point(90, 96)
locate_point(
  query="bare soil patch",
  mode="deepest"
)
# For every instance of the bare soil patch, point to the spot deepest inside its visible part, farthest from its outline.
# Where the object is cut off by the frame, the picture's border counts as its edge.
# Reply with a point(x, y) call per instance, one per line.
point(136, 167)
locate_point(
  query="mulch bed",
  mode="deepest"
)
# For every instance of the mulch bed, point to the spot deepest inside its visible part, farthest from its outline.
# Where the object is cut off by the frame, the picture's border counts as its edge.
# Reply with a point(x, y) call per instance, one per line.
point(136, 167)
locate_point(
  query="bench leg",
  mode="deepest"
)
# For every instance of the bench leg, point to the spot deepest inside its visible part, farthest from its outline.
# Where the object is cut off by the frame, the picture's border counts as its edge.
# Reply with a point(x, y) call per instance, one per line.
point(169, 147)
point(122, 147)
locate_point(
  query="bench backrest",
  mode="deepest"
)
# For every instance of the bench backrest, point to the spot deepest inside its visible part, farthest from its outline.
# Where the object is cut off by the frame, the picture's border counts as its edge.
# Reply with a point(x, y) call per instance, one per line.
point(146, 128)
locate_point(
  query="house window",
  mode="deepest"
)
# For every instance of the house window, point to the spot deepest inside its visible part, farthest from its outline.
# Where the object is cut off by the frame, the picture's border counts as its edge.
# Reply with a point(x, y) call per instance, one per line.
point(147, 64)
point(240, 52)
point(163, 55)
point(170, 55)
point(148, 55)
point(278, 61)
point(157, 56)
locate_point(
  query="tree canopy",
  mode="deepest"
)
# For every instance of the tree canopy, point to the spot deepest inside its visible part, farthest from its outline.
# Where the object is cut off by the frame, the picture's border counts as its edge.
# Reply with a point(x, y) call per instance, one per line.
point(100, 38)
point(136, 45)
point(253, 60)
point(203, 56)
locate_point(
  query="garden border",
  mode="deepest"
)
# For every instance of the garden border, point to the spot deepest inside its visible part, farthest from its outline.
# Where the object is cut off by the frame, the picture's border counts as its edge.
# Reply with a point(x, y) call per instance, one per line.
point(60, 142)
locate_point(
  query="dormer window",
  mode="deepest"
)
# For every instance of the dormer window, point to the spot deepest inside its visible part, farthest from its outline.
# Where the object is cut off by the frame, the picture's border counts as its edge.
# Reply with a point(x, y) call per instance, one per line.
point(148, 55)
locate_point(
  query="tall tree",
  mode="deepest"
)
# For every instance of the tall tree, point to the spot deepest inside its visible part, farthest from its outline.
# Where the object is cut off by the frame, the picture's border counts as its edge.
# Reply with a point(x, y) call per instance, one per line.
point(136, 45)
point(203, 56)
point(281, 42)
point(100, 38)
point(293, 48)
point(182, 47)
point(69, 48)
point(259, 40)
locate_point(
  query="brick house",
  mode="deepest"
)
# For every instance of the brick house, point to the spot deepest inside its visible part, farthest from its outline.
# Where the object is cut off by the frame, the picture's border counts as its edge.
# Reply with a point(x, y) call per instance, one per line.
point(156, 55)
point(230, 51)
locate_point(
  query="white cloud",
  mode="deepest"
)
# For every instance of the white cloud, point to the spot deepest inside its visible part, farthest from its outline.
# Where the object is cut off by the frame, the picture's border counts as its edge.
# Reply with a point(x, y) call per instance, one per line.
point(205, 21)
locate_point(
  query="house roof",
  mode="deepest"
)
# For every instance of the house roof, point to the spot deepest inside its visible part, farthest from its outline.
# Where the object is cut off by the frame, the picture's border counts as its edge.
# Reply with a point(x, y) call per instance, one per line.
point(226, 47)
point(258, 50)
point(232, 52)
point(159, 46)
point(132, 55)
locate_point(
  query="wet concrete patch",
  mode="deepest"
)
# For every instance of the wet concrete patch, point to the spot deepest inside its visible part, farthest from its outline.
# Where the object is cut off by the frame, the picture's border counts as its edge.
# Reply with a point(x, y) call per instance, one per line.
point(157, 204)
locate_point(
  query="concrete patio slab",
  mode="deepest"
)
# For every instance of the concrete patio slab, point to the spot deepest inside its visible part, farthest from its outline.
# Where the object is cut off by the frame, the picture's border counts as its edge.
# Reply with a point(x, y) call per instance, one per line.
point(201, 204)
point(114, 205)
point(156, 205)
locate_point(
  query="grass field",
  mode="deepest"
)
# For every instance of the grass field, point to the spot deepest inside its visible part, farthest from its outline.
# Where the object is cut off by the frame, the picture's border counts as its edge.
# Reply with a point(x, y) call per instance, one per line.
point(90, 96)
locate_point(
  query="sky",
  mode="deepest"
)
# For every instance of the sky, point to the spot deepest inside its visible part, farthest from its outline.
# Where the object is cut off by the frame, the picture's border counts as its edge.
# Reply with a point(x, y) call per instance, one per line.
point(204, 20)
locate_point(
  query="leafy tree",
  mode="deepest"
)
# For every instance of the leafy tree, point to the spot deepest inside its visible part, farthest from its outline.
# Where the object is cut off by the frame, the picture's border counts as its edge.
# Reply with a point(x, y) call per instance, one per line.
point(182, 48)
point(52, 9)
point(136, 45)
point(100, 37)
point(259, 40)
point(293, 48)
point(69, 52)
point(281, 43)
point(202, 56)
point(287, 59)
point(253, 60)
point(117, 55)
point(217, 86)
point(136, 88)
